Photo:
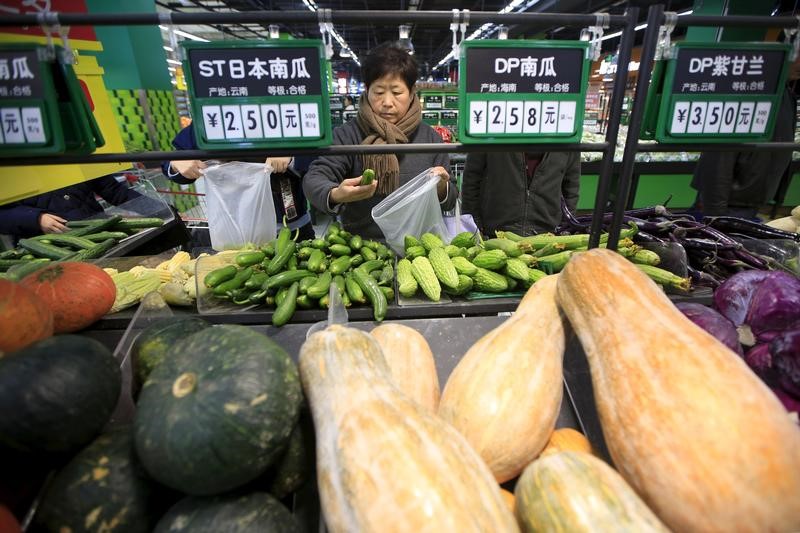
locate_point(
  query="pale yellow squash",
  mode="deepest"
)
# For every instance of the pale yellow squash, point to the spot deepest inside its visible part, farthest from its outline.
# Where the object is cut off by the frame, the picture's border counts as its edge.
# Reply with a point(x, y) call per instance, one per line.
point(411, 362)
point(383, 462)
point(576, 492)
point(688, 425)
point(505, 394)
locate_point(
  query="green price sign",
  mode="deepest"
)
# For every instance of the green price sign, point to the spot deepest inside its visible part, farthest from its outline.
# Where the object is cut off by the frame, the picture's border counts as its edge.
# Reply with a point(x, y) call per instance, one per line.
point(258, 94)
point(519, 91)
point(715, 92)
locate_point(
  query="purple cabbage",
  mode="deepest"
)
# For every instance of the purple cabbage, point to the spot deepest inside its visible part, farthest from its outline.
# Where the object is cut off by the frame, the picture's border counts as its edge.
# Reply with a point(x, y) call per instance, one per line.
point(791, 404)
point(732, 298)
point(714, 323)
point(785, 351)
point(759, 359)
point(775, 304)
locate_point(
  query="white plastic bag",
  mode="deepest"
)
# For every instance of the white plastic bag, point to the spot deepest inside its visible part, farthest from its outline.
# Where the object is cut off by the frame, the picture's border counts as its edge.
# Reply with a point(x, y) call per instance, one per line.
point(239, 205)
point(459, 222)
point(412, 209)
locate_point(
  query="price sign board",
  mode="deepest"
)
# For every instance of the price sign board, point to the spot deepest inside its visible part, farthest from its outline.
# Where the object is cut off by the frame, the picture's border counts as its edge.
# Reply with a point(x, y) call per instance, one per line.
point(29, 111)
point(520, 91)
point(258, 94)
point(451, 101)
point(431, 118)
point(715, 92)
point(449, 118)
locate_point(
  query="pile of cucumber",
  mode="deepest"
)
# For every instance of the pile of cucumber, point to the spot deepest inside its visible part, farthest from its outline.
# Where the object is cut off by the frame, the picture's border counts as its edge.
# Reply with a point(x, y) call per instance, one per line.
point(285, 274)
point(86, 239)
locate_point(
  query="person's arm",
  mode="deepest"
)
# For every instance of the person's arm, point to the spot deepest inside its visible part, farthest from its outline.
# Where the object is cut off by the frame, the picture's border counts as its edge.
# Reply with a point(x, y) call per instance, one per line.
point(183, 171)
point(112, 191)
point(329, 173)
point(571, 184)
point(447, 189)
point(715, 170)
point(24, 220)
point(471, 183)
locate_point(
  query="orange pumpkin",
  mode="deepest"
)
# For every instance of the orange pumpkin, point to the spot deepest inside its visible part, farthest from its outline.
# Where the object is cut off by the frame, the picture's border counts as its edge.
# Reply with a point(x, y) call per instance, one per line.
point(24, 318)
point(567, 440)
point(509, 498)
point(78, 294)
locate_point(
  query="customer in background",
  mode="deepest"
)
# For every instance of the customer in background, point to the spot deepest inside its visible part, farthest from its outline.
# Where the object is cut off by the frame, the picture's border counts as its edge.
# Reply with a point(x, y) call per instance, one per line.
point(348, 103)
point(389, 114)
point(286, 182)
point(739, 183)
point(49, 212)
point(519, 192)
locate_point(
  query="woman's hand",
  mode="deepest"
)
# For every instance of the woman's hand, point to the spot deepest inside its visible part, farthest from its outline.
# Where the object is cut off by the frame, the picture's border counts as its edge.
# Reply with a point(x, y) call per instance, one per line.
point(444, 182)
point(52, 223)
point(278, 164)
point(349, 190)
point(188, 169)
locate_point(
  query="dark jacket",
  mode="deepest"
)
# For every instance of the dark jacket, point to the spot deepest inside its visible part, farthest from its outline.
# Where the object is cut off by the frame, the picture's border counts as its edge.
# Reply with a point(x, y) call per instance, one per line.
point(495, 190)
point(75, 202)
point(326, 172)
point(745, 179)
point(186, 140)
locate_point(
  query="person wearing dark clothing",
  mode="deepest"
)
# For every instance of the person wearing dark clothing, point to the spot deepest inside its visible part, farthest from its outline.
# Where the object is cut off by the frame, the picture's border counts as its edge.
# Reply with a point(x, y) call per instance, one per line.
point(286, 182)
point(49, 212)
point(388, 113)
point(519, 192)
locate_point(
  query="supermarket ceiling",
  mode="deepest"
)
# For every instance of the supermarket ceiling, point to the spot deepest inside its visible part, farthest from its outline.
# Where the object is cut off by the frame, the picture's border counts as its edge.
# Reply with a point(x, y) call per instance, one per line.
point(431, 43)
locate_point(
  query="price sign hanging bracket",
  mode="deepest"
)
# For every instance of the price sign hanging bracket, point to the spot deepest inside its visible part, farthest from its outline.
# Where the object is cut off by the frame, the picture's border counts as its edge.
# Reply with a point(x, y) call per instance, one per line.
point(460, 22)
point(793, 36)
point(664, 48)
point(325, 18)
point(593, 34)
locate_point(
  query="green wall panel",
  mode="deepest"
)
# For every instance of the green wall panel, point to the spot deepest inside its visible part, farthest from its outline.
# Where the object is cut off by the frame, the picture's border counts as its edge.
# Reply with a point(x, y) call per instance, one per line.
point(655, 189)
point(588, 192)
point(793, 193)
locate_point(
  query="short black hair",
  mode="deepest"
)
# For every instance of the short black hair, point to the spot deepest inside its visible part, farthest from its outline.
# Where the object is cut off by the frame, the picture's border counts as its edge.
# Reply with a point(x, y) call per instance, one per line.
point(388, 58)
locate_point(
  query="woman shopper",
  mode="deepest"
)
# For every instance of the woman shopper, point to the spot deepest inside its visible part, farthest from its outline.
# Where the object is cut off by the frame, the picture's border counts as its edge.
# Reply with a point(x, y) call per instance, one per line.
point(389, 114)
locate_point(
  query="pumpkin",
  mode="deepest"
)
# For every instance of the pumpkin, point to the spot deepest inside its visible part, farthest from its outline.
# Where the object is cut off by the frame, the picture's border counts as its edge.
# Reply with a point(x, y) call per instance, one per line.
point(504, 396)
point(78, 294)
point(8, 522)
point(411, 363)
point(689, 426)
point(296, 463)
point(24, 317)
point(103, 489)
point(57, 394)
point(509, 498)
point(218, 411)
point(383, 461)
point(154, 342)
point(569, 491)
point(232, 513)
point(567, 440)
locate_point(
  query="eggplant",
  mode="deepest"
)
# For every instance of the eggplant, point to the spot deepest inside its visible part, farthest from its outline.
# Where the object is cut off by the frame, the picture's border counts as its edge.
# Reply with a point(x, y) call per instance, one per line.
point(785, 352)
point(748, 227)
point(775, 304)
point(714, 323)
point(732, 298)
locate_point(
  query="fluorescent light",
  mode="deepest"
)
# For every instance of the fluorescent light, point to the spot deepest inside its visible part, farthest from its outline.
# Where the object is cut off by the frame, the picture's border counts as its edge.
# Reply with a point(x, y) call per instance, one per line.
point(171, 69)
point(173, 62)
point(639, 27)
point(167, 48)
point(184, 34)
point(312, 5)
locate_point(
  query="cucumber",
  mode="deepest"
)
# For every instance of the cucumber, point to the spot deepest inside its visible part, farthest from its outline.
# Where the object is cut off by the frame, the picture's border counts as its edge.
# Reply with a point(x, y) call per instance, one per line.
point(139, 223)
point(307, 282)
point(94, 252)
point(373, 292)
point(44, 250)
point(320, 288)
point(286, 308)
point(354, 291)
point(66, 240)
point(339, 265)
point(93, 226)
point(103, 235)
point(367, 177)
point(215, 277)
point(286, 278)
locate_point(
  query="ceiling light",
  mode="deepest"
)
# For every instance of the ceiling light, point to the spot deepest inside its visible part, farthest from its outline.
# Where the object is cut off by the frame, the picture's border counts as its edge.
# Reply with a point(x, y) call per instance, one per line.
point(312, 5)
point(639, 27)
point(168, 49)
point(404, 42)
point(185, 34)
point(173, 62)
point(502, 32)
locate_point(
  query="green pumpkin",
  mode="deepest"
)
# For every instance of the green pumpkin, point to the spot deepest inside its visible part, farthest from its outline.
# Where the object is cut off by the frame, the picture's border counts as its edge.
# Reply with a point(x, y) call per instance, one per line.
point(296, 464)
point(155, 341)
point(103, 488)
point(57, 394)
point(256, 512)
point(218, 411)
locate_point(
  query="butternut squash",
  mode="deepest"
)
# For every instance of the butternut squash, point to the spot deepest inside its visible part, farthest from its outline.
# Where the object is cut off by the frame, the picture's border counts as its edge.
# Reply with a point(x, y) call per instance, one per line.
point(689, 426)
point(567, 440)
point(383, 462)
point(508, 497)
point(505, 394)
point(411, 363)
point(577, 492)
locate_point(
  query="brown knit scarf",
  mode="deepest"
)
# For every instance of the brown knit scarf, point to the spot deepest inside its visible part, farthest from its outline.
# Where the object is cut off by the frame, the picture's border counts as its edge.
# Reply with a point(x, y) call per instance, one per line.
point(380, 131)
